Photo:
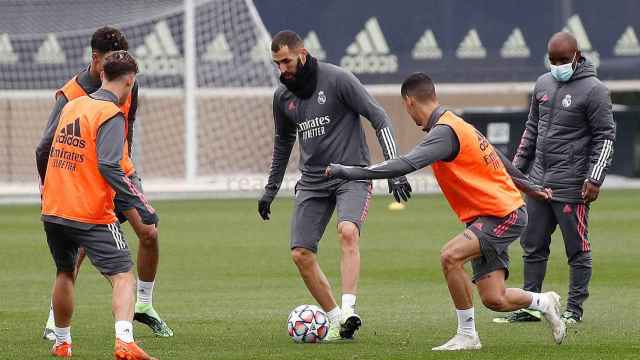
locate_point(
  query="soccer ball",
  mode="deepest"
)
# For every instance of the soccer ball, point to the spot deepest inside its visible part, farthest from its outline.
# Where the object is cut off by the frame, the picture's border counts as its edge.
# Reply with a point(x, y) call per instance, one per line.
point(308, 324)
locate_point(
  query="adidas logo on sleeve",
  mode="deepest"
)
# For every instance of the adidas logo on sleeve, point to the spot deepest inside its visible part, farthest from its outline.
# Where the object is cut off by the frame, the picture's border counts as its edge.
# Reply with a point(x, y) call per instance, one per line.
point(369, 53)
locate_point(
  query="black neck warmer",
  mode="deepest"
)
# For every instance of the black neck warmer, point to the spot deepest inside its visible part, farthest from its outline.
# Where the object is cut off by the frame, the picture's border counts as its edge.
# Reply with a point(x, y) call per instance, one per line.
point(304, 82)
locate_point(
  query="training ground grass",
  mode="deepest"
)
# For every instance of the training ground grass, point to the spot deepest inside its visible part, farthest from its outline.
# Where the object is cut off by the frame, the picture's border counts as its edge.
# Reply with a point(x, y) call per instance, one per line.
point(226, 285)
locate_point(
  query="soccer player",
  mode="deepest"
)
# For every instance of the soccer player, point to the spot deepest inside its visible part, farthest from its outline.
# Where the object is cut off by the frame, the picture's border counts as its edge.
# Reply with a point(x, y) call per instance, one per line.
point(568, 146)
point(104, 41)
point(321, 104)
point(473, 178)
point(82, 176)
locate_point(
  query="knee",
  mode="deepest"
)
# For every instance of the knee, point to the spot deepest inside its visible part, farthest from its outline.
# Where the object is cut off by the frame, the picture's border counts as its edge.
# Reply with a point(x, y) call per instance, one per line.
point(495, 302)
point(303, 258)
point(349, 235)
point(149, 237)
point(449, 260)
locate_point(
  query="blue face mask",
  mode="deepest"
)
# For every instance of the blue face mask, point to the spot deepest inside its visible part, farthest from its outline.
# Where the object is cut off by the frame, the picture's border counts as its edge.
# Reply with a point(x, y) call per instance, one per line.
point(563, 72)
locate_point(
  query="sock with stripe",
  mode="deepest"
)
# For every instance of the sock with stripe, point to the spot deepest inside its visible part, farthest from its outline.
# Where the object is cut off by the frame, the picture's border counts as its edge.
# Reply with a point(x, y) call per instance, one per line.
point(145, 292)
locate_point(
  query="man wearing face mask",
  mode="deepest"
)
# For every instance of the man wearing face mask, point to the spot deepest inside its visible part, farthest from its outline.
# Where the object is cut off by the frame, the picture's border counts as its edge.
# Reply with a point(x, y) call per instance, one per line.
point(321, 104)
point(567, 146)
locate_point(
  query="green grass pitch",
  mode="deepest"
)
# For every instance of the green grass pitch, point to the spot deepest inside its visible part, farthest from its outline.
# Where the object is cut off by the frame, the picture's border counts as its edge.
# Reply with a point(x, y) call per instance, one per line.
point(226, 285)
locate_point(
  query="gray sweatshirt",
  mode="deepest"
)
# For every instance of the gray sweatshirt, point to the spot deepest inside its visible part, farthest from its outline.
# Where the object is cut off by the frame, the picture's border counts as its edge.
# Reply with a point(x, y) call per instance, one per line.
point(109, 145)
point(440, 144)
point(328, 129)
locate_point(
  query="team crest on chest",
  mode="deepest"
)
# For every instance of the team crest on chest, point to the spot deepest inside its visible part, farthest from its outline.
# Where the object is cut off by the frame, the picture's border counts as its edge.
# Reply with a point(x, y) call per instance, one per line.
point(566, 102)
point(322, 98)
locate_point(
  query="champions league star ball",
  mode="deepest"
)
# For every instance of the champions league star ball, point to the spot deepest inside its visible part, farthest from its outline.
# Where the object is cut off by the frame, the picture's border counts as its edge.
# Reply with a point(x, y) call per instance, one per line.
point(308, 324)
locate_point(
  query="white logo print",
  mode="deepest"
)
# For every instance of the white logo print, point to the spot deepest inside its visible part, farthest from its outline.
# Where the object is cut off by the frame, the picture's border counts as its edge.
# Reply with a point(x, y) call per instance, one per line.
point(515, 46)
point(322, 98)
point(7, 55)
point(471, 47)
point(218, 50)
point(159, 54)
point(369, 53)
point(312, 43)
point(87, 56)
point(427, 47)
point(627, 45)
point(260, 52)
point(575, 27)
point(566, 102)
point(50, 52)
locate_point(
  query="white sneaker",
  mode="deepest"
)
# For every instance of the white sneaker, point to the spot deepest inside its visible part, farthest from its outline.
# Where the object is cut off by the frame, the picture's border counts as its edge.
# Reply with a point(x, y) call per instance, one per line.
point(552, 314)
point(460, 342)
point(49, 334)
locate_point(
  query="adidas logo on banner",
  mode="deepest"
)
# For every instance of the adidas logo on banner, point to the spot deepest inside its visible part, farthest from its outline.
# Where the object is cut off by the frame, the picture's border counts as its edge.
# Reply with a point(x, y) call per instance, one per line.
point(50, 52)
point(218, 50)
point(159, 54)
point(312, 43)
point(87, 56)
point(7, 55)
point(574, 26)
point(427, 47)
point(515, 46)
point(471, 47)
point(627, 45)
point(369, 53)
point(261, 51)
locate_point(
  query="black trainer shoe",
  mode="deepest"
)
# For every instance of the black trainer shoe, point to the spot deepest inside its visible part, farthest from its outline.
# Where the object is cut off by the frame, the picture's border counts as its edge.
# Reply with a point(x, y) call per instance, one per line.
point(524, 315)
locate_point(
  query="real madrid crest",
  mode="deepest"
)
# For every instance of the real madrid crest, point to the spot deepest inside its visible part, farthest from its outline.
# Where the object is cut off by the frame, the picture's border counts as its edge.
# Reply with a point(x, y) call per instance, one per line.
point(566, 102)
point(322, 98)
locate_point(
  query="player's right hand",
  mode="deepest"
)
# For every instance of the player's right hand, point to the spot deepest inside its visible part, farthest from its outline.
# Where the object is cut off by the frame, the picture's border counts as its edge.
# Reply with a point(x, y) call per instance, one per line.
point(264, 208)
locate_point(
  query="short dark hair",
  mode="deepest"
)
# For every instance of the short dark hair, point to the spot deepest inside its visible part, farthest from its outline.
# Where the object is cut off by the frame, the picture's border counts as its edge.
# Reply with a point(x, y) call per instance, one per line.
point(420, 86)
point(107, 39)
point(286, 38)
point(119, 63)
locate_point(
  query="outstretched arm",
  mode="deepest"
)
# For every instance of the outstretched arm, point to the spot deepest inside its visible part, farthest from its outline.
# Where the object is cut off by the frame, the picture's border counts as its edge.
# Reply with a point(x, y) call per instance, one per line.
point(440, 143)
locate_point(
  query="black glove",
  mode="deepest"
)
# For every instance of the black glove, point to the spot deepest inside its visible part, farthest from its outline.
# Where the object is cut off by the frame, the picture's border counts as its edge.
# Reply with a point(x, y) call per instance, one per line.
point(400, 188)
point(264, 207)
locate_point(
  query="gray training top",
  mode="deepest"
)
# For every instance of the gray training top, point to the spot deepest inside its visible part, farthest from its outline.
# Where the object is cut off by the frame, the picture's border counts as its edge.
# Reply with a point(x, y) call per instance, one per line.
point(109, 145)
point(440, 144)
point(328, 129)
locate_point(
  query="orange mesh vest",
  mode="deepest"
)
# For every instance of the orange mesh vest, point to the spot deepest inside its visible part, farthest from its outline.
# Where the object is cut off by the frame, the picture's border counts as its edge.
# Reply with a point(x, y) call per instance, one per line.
point(73, 187)
point(72, 90)
point(475, 183)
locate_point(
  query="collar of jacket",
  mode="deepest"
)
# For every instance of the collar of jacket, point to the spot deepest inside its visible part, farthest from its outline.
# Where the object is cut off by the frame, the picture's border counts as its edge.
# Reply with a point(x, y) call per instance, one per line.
point(433, 119)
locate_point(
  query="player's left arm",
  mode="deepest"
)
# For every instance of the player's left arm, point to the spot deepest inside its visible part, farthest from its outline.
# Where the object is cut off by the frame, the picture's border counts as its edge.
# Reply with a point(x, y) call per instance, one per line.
point(109, 144)
point(44, 147)
point(353, 94)
point(603, 135)
point(522, 181)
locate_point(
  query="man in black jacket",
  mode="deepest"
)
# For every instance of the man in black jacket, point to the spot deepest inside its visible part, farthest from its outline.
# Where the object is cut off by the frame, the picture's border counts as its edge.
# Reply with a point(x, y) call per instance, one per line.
point(567, 146)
